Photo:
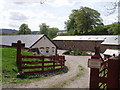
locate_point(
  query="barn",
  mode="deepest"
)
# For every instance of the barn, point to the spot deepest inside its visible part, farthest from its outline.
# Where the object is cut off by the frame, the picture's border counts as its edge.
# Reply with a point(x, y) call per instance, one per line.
point(112, 43)
point(87, 42)
point(42, 43)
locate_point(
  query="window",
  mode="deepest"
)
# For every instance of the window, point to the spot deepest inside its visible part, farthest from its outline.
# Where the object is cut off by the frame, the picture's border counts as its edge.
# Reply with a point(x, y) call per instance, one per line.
point(53, 48)
point(41, 49)
point(47, 49)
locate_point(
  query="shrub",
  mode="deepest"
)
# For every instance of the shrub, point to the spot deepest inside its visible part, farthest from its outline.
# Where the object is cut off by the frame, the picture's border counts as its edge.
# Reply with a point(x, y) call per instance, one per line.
point(77, 53)
point(66, 53)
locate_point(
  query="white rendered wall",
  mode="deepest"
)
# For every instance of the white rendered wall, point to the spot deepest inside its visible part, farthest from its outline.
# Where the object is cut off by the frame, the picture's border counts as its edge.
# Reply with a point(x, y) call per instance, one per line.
point(44, 42)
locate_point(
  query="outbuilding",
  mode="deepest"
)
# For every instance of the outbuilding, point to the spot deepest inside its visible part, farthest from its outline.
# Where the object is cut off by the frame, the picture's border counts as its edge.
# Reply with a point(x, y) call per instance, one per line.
point(113, 47)
point(86, 42)
point(42, 43)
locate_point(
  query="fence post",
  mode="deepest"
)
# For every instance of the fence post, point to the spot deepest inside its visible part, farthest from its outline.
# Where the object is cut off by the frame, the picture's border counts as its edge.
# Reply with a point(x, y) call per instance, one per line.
point(53, 61)
point(63, 61)
point(42, 63)
point(113, 73)
point(19, 45)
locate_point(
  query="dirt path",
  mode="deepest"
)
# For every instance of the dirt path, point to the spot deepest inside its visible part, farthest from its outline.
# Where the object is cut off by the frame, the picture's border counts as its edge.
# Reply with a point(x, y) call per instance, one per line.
point(72, 62)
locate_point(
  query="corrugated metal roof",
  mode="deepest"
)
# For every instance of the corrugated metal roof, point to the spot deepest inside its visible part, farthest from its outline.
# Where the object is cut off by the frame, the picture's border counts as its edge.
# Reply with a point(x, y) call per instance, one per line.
point(87, 37)
point(27, 39)
point(112, 40)
point(111, 52)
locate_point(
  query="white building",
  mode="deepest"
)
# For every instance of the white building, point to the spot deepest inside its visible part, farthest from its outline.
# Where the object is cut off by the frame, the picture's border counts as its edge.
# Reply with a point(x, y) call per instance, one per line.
point(41, 42)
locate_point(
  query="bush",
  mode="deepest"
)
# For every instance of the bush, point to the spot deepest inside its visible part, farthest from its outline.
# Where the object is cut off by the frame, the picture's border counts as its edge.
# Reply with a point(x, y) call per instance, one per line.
point(66, 53)
point(77, 53)
point(85, 54)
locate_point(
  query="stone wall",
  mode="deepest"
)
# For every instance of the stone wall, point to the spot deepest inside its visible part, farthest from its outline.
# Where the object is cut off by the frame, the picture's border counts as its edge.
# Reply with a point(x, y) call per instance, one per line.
point(82, 45)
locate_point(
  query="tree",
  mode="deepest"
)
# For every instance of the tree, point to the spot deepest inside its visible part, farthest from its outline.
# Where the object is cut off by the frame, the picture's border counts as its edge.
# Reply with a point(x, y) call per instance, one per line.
point(82, 20)
point(52, 32)
point(42, 1)
point(114, 29)
point(43, 28)
point(24, 29)
point(102, 30)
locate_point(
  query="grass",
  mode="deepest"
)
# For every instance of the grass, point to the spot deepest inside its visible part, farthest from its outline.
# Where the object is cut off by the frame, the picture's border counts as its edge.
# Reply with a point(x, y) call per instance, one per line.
point(9, 67)
point(60, 85)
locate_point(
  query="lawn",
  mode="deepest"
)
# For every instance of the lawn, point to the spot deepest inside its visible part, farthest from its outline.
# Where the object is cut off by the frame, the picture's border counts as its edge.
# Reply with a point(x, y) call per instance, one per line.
point(9, 67)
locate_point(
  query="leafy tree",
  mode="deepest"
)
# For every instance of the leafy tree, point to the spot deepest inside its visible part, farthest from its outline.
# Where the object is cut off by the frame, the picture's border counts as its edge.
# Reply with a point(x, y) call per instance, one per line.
point(82, 20)
point(102, 30)
point(64, 34)
point(114, 29)
point(43, 28)
point(24, 29)
point(52, 32)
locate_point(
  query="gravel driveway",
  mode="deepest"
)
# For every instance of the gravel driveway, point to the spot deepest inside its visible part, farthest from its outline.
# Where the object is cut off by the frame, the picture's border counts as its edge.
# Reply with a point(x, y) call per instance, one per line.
point(72, 62)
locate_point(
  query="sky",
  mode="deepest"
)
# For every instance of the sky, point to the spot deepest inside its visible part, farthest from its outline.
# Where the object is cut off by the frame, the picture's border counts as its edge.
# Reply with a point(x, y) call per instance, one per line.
point(54, 13)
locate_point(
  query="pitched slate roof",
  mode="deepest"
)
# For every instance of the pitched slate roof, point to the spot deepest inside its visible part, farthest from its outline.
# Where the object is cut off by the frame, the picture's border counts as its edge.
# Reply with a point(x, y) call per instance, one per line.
point(111, 52)
point(29, 40)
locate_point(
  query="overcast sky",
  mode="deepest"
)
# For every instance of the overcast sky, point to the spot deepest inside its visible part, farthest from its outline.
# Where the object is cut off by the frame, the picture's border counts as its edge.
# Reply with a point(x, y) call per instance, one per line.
point(53, 12)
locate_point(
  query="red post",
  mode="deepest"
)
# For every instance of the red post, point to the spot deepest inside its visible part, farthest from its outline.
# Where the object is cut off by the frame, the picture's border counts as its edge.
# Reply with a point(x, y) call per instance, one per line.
point(53, 62)
point(94, 78)
point(19, 56)
point(94, 73)
point(113, 73)
point(19, 45)
point(42, 63)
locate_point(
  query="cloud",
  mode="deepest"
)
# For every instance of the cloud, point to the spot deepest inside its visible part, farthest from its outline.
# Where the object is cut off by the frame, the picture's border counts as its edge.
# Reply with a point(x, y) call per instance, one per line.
point(110, 19)
point(25, 2)
point(60, 3)
point(1, 5)
point(18, 16)
point(19, 3)
point(52, 12)
point(13, 24)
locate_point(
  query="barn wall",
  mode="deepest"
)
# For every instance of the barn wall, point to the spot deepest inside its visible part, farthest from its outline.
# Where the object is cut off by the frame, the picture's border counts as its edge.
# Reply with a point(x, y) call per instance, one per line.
point(82, 45)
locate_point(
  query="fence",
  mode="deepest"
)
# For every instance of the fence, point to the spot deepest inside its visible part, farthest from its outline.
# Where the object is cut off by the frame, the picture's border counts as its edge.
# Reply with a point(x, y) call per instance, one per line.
point(43, 63)
point(40, 63)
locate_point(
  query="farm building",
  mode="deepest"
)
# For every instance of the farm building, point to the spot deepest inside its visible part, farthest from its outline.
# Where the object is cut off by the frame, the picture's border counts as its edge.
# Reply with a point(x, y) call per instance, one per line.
point(88, 42)
point(110, 42)
point(41, 43)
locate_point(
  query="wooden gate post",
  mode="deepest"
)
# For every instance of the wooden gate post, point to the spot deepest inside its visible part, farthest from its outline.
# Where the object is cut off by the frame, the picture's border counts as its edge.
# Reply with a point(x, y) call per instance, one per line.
point(113, 73)
point(19, 45)
point(94, 73)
